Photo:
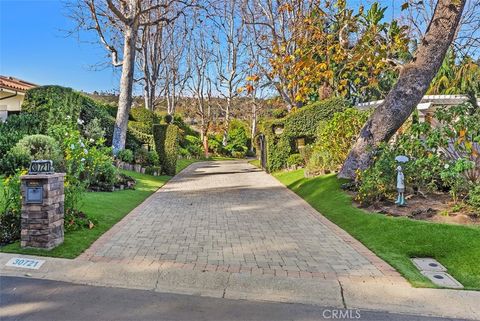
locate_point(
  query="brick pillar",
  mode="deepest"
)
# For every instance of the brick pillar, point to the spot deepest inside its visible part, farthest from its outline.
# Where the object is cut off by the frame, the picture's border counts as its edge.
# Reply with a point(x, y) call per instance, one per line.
point(42, 210)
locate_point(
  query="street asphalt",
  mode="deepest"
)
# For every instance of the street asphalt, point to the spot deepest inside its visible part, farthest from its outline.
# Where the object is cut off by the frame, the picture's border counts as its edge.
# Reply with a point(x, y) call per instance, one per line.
point(24, 298)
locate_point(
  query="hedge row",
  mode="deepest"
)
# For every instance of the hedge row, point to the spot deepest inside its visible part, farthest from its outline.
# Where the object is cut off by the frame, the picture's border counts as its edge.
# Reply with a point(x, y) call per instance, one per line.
point(52, 105)
point(166, 144)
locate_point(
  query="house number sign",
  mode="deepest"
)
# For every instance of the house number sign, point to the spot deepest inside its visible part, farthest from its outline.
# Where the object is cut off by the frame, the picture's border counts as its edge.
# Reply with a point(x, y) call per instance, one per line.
point(25, 263)
point(41, 167)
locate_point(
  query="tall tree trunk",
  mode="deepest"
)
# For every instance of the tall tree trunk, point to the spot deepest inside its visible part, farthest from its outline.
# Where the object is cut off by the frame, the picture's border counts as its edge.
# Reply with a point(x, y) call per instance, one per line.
point(254, 126)
point(204, 136)
point(226, 123)
point(126, 87)
point(412, 84)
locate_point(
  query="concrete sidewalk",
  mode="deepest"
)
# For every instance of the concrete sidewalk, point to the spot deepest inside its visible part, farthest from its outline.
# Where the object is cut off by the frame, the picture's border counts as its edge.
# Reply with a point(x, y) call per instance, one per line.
point(342, 293)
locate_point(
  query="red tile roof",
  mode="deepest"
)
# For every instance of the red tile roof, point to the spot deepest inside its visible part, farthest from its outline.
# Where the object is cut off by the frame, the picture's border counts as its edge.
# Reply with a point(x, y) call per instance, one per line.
point(15, 84)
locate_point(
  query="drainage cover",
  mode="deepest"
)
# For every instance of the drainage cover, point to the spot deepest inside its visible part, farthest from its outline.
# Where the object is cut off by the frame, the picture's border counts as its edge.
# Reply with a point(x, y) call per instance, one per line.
point(443, 279)
point(428, 264)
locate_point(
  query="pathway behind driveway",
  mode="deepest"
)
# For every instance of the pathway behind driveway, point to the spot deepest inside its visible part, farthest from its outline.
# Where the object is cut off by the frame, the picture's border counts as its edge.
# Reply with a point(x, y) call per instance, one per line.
point(232, 217)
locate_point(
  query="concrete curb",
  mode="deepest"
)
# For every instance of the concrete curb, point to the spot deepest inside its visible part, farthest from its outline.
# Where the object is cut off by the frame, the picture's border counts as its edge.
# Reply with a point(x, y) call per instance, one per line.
point(346, 293)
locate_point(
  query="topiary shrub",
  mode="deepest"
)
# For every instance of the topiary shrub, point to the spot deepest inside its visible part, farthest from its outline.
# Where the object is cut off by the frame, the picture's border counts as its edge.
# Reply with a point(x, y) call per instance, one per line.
point(168, 119)
point(33, 147)
point(278, 150)
point(166, 145)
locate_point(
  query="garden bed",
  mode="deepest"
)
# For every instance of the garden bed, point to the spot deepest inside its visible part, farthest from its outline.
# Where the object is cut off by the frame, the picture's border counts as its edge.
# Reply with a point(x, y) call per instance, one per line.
point(394, 239)
point(432, 207)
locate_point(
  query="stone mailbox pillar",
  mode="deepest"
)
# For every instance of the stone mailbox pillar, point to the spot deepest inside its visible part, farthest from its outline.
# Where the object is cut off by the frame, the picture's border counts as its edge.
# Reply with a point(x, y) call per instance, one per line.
point(42, 210)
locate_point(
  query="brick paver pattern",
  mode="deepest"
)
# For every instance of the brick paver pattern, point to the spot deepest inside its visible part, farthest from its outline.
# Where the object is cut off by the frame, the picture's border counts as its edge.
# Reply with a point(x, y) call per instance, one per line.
point(230, 216)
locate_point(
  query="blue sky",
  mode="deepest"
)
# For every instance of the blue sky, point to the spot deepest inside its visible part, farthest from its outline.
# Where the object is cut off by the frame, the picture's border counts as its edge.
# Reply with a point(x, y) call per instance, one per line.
point(35, 47)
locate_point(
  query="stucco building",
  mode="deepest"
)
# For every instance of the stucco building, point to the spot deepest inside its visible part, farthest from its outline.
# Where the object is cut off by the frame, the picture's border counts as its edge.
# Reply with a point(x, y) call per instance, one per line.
point(12, 93)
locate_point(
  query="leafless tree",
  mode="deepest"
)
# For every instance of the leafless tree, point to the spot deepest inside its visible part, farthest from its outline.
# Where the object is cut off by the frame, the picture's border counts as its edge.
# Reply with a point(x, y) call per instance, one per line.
point(199, 60)
point(150, 61)
point(176, 72)
point(467, 40)
point(229, 54)
point(270, 22)
point(117, 24)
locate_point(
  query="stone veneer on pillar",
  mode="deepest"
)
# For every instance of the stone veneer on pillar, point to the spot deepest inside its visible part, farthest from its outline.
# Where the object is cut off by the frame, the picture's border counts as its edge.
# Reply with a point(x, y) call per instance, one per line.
point(42, 215)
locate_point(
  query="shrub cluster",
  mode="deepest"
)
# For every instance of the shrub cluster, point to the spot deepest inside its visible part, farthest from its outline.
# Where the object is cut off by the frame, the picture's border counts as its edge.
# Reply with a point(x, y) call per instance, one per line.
point(33, 147)
point(335, 137)
point(238, 141)
point(444, 157)
point(166, 145)
point(11, 131)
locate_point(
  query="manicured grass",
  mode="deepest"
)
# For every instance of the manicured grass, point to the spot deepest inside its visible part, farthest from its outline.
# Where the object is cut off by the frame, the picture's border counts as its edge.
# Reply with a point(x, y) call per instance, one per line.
point(256, 163)
point(107, 209)
point(394, 239)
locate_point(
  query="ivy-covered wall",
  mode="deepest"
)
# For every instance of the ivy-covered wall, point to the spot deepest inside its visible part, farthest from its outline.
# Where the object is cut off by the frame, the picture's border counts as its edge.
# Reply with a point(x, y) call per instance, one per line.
point(302, 123)
point(166, 145)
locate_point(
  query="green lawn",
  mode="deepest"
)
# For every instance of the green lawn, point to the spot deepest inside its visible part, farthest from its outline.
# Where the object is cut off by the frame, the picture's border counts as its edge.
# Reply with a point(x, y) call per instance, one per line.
point(107, 209)
point(256, 163)
point(394, 239)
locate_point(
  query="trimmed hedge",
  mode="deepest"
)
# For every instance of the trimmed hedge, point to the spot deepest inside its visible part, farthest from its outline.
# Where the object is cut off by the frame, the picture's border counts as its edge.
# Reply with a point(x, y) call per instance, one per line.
point(52, 105)
point(302, 123)
point(166, 145)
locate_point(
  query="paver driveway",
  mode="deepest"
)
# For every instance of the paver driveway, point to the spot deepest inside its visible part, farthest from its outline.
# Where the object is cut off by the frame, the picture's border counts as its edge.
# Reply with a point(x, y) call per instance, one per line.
point(229, 216)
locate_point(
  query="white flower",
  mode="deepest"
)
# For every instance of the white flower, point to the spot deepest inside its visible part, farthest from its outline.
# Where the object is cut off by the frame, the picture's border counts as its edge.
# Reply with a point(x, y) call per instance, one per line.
point(82, 160)
point(72, 147)
point(68, 117)
point(80, 122)
point(92, 140)
point(82, 144)
point(446, 166)
point(85, 151)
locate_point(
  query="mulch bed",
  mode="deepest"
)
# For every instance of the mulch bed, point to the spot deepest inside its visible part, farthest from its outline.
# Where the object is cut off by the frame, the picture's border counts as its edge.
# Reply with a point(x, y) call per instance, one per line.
point(429, 207)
